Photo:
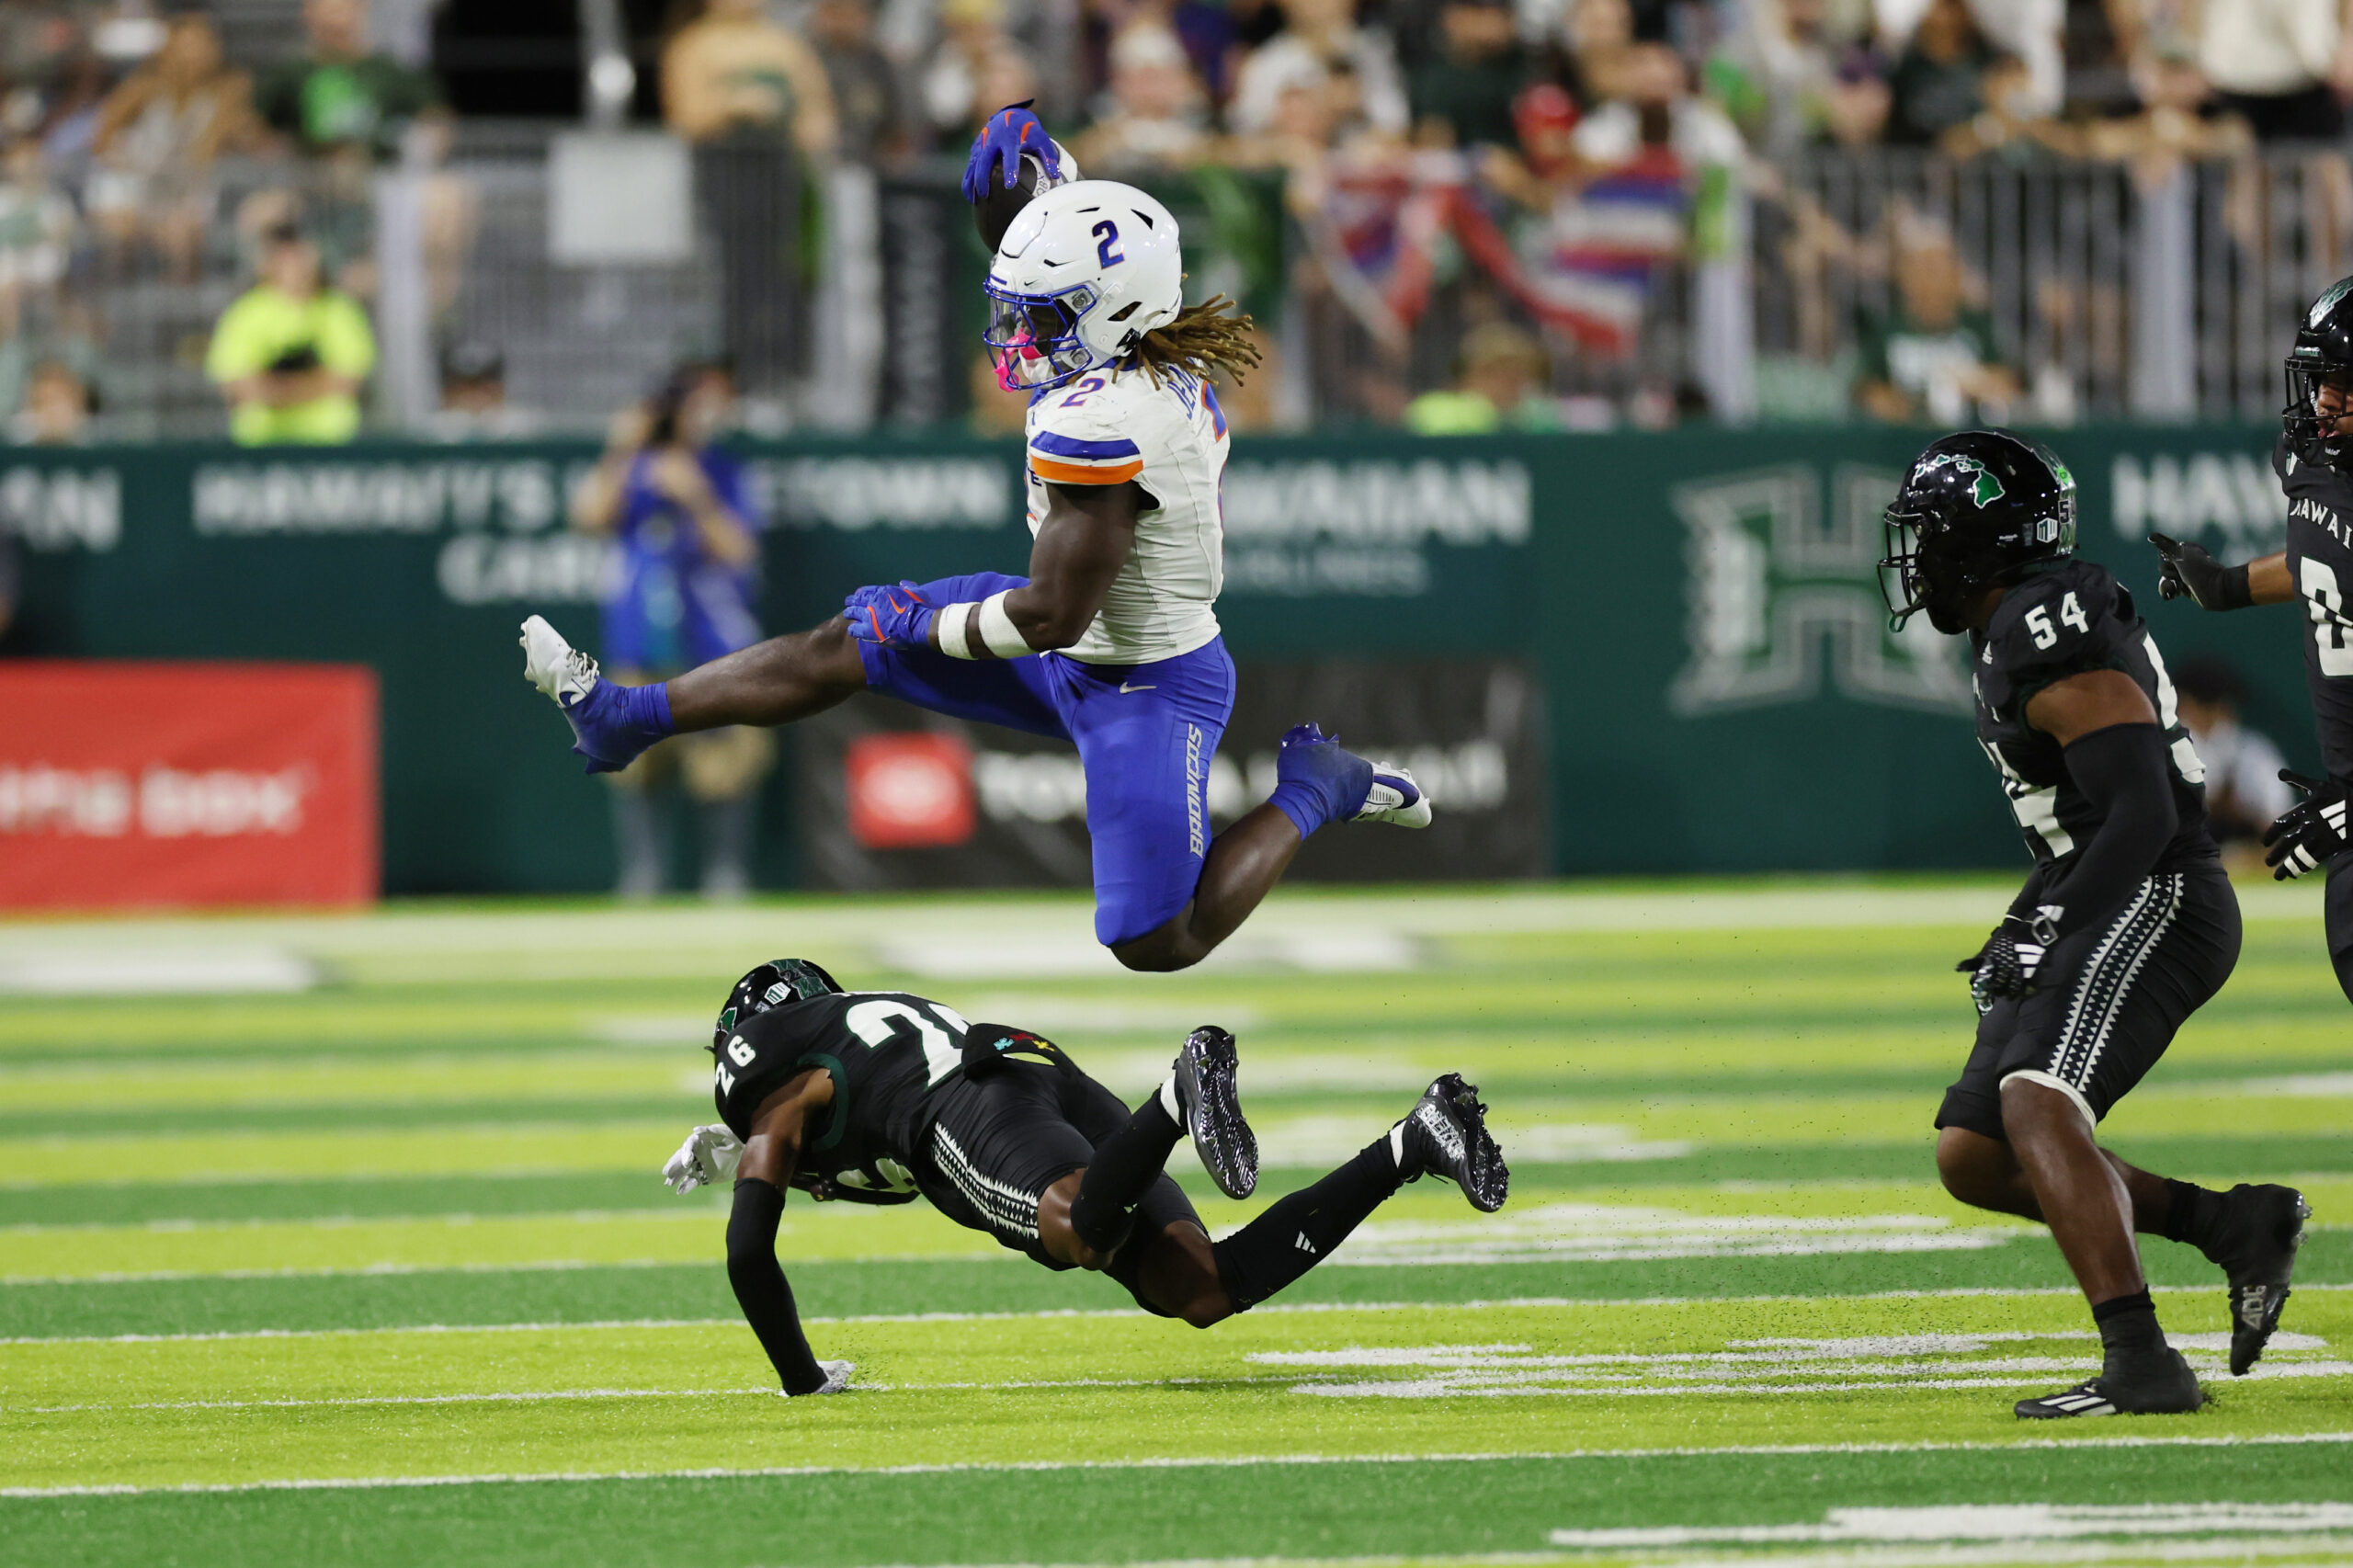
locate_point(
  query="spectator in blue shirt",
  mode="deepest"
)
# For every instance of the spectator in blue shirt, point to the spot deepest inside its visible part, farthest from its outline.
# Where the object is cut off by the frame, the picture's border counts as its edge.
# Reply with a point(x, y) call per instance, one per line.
point(687, 525)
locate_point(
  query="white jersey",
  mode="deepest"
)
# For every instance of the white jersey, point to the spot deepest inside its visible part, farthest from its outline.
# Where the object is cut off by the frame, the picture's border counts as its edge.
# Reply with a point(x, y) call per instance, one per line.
point(1109, 427)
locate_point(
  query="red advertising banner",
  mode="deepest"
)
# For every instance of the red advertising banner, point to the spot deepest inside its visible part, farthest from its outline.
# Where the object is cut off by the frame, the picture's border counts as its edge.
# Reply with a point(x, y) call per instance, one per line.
point(139, 785)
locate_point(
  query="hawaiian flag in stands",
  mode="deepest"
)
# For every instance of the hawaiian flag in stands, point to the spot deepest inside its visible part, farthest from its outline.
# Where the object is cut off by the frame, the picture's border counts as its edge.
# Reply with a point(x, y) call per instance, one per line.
point(1583, 270)
point(1588, 271)
point(1371, 233)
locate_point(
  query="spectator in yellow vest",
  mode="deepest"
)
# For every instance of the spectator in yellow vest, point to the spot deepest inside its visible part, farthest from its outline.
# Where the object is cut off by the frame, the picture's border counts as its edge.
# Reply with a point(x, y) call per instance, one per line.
point(292, 355)
point(1498, 386)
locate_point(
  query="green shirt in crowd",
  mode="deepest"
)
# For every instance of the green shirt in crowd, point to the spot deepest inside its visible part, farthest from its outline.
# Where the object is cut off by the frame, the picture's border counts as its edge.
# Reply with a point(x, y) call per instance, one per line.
point(264, 328)
point(327, 104)
point(1474, 96)
point(1915, 360)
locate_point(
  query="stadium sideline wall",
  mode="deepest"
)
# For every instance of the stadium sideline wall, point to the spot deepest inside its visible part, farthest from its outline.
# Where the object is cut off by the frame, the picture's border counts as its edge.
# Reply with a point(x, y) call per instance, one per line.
point(1700, 609)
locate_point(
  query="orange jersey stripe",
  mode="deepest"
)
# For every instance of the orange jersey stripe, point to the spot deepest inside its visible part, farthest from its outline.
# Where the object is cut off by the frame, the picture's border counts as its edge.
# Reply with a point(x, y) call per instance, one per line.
point(1078, 473)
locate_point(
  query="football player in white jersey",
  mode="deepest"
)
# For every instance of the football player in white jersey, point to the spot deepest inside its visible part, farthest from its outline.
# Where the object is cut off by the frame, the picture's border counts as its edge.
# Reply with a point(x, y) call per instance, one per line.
point(1111, 641)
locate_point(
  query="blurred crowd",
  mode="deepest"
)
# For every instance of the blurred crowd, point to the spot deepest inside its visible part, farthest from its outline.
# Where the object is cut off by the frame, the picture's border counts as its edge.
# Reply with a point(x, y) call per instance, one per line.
point(1498, 201)
point(1494, 214)
point(137, 164)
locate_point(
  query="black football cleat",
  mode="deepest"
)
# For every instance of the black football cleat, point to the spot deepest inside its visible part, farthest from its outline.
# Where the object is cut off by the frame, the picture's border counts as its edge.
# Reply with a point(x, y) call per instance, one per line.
point(2159, 1386)
point(2262, 1227)
point(1446, 1135)
point(1212, 1102)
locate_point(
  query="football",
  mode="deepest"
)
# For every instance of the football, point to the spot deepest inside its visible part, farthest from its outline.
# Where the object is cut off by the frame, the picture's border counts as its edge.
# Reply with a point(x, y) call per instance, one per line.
point(994, 212)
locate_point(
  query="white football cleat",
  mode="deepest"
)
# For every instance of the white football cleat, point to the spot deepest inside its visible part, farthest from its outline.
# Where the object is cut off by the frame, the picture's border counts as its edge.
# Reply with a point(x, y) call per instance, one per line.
point(1395, 799)
point(554, 665)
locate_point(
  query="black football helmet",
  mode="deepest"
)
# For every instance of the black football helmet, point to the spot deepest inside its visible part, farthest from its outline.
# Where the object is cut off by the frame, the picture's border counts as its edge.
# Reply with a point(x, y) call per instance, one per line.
point(1976, 509)
point(2324, 349)
point(772, 985)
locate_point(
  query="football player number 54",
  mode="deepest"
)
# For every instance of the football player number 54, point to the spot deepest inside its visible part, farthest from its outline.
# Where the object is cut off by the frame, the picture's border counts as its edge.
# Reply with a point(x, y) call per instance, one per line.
point(2071, 613)
point(2326, 603)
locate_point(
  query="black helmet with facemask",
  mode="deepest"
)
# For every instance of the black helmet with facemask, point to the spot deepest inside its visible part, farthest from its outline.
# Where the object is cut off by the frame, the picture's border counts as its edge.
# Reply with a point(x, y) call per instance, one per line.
point(1975, 511)
point(776, 983)
point(2323, 350)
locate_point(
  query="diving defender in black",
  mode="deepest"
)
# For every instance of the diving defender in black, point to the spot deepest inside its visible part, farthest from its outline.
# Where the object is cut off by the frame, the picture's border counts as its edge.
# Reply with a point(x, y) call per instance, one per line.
point(878, 1096)
point(2313, 459)
point(2124, 926)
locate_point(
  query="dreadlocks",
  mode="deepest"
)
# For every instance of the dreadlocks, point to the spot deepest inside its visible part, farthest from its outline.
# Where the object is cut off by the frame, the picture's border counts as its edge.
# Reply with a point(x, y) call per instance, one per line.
point(1203, 339)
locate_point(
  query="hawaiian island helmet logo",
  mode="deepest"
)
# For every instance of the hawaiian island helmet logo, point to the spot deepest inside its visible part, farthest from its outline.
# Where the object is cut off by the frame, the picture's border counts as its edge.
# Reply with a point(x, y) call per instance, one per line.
point(1988, 486)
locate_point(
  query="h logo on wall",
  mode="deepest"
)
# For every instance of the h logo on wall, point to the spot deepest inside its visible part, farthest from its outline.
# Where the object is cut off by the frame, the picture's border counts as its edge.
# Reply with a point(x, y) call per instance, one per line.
point(1784, 591)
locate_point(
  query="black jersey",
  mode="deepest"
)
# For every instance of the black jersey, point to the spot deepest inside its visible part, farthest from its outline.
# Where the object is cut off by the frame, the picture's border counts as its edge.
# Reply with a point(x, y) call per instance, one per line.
point(887, 1051)
point(2320, 562)
point(2061, 621)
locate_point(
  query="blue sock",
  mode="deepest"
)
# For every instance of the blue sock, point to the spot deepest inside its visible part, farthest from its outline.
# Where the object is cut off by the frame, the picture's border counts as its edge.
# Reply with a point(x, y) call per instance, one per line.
point(1316, 782)
point(614, 723)
point(644, 710)
point(1304, 804)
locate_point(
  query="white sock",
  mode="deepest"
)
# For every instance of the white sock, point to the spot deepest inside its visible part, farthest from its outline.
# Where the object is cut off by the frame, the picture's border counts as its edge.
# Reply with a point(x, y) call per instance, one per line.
point(1168, 1100)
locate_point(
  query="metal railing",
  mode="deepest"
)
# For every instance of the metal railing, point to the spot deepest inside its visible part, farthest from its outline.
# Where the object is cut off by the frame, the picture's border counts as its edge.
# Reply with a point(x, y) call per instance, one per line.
point(579, 342)
point(2112, 291)
point(2168, 293)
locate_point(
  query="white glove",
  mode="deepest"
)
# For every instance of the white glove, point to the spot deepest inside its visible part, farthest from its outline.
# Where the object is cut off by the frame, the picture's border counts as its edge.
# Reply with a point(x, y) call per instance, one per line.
point(708, 1154)
point(837, 1376)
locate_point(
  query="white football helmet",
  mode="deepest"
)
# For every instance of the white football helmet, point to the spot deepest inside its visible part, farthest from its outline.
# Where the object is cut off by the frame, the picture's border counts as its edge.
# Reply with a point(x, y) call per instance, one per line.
point(1083, 272)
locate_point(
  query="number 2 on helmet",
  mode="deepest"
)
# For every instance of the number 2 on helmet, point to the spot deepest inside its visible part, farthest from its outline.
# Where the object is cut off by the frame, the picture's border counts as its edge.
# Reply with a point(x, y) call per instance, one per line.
point(1107, 251)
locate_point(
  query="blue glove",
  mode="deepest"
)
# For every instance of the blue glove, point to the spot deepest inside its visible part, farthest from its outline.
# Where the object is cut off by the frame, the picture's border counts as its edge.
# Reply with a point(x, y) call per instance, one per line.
point(1010, 131)
point(890, 618)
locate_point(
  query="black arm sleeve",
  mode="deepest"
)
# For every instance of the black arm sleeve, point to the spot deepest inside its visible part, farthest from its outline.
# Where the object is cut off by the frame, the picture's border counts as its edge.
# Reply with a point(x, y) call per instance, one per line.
point(2123, 770)
point(759, 1284)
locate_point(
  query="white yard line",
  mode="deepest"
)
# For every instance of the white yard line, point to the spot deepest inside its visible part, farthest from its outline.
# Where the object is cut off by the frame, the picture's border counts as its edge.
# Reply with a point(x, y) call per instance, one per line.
point(1958, 1292)
point(1200, 1462)
point(1891, 1379)
point(540, 1266)
point(409, 944)
point(2329, 1549)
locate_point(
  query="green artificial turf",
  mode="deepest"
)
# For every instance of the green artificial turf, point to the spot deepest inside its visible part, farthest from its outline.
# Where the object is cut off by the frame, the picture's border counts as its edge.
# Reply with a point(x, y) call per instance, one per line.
point(407, 1228)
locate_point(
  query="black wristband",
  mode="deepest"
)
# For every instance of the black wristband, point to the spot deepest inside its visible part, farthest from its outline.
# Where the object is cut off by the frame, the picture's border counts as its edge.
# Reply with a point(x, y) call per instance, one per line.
point(2238, 588)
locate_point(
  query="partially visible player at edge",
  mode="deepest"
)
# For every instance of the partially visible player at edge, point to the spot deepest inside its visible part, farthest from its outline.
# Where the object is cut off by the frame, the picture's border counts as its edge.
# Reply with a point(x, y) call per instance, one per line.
point(2125, 926)
point(1111, 641)
point(2313, 459)
point(877, 1097)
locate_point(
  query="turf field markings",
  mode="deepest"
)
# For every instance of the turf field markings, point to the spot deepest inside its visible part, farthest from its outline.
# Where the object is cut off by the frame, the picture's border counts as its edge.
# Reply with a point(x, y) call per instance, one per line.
point(1186, 1461)
point(2135, 1551)
point(1588, 1233)
point(1958, 1292)
point(664, 1030)
point(2009, 1522)
point(534, 1397)
point(536, 1266)
point(1890, 1363)
point(238, 1334)
point(490, 1396)
point(1474, 1383)
point(1479, 1370)
point(2301, 1085)
point(57, 969)
point(1319, 1142)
